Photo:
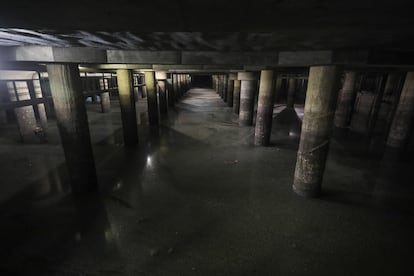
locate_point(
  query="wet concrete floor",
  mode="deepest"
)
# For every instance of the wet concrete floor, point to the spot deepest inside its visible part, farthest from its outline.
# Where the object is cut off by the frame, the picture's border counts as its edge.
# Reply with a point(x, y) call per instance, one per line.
point(197, 198)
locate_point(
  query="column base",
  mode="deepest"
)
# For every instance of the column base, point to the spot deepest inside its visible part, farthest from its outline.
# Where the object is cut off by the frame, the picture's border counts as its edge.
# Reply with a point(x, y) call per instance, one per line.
point(307, 193)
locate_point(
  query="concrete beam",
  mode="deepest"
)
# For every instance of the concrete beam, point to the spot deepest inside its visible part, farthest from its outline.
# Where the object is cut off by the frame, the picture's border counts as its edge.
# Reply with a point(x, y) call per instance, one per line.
point(236, 58)
point(112, 67)
point(21, 66)
point(304, 58)
point(202, 60)
point(18, 75)
point(146, 57)
point(54, 54)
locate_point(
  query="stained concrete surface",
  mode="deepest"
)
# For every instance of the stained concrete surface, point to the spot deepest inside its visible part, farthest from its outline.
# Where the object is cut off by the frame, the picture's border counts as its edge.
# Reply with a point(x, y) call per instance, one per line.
point(197, 198)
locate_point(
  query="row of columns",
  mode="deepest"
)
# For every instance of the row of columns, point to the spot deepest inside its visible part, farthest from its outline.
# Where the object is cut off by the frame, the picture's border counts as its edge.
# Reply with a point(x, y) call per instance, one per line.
point(320, 114)
point(161, 89)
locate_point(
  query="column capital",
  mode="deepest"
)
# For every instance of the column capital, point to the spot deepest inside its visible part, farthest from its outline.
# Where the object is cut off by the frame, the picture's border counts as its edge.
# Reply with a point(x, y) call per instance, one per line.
point(246, 76)
point(160, 75)
point(232, 76)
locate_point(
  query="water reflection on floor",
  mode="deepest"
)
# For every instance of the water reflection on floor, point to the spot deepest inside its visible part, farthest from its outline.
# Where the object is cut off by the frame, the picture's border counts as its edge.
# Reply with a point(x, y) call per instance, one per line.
point(197, 198)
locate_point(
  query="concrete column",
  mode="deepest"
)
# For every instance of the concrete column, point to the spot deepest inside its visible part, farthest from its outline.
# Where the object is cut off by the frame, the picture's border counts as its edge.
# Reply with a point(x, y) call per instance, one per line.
point(404, 115)
point(39, 109)
point(320, 103)
point(105, 102)
point(236, 96)
point(144, 91)
point(225, 86)
point(161, 78)
point(170, 91)
point(179, 87)
point(387, 108)
point(278, 88)
point(135, 89)
point(222, 85)
point(152, 97)
point(264, 109)
point(175, 87)
point(45, 90)
point(127, 103)
point(217, 88)
point(185, 87)
point(25, 115)
point(346, 101)
point(72, 121)
point(230, 89)
point(247, 93)
point(391, 93)
point(291, 93)
point(141, 80)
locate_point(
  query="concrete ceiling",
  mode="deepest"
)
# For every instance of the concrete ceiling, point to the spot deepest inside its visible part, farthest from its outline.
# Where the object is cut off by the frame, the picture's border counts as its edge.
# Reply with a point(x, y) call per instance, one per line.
point(210, 25)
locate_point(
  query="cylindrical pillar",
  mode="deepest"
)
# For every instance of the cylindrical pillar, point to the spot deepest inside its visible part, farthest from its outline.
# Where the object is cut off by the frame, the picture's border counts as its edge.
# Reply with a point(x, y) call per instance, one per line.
point(392, 91)
point(320, 103)
point(278, 88)
point(184, 80)
point(217, 88)
point(230, 89)
point(105, 102)
point(236, 96)
point(346, 101)
point(404, 115)
point(264, 109)
point(72, 121)
point(161, 78)
point(39, 109)
point(247, 93)
point(170, 91)
point(152, 100)
point(225, 86)
point(127, 103)
point(291, 93)
point(176, 87)
point(143, 88)
point(179, 87)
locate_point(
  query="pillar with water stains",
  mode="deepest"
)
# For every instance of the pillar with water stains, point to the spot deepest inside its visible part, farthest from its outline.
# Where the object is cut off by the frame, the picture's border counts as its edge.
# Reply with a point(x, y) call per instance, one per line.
point(72, 121)
point(236, 96)
point(346, 100)
point(404, 116)
point(230, 89)
point(170, 91)
point(225, 88)
point(152, 100)
point(105, 102)
point(278, 88)
point(248, 89)
point(161, 78)
point(264, 109)
point(127, 103)
point(321, 96)
point(291, 93)
point(141, 81)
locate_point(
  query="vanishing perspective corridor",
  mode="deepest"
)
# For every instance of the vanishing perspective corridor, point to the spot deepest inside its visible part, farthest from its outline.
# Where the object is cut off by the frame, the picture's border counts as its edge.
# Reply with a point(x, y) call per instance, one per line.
point(197, 198)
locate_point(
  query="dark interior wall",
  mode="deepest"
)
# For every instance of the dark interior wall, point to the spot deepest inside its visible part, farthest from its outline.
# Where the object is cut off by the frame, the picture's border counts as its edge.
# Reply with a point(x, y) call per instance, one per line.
point(202, 81)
